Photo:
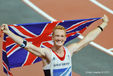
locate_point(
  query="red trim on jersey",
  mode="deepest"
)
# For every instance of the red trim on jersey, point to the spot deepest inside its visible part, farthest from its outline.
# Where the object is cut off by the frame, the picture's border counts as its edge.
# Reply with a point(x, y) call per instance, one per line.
point(61, 58)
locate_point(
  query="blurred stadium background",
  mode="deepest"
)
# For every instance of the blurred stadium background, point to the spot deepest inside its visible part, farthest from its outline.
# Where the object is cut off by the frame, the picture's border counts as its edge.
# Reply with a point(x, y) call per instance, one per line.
point(90, 61)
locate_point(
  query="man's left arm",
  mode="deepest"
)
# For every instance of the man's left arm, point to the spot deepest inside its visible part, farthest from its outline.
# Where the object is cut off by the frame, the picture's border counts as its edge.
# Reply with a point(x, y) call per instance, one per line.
point(75, 47)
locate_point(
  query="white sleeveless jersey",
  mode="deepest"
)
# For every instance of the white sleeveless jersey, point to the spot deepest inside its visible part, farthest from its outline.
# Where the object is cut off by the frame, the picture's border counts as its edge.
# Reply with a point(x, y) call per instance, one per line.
point(59, 66)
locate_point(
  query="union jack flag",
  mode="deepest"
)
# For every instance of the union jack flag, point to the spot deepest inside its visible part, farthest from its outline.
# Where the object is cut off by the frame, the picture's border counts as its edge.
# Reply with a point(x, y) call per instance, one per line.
point(38, 34)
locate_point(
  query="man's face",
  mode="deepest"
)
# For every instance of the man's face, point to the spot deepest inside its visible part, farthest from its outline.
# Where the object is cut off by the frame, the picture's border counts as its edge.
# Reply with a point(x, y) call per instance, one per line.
point(59, 37)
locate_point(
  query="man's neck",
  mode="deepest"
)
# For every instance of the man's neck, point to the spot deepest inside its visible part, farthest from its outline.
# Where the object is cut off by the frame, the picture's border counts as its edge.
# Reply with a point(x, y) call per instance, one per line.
point(57, 48)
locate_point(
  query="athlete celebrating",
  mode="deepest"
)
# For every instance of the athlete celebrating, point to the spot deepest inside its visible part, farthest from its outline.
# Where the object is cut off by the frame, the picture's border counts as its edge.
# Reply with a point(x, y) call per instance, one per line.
point(57, 59)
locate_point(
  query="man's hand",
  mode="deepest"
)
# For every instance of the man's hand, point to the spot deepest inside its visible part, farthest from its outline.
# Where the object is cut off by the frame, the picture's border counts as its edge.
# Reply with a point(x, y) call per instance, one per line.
point(4, 28)
point(105, 18)
point(105, 21)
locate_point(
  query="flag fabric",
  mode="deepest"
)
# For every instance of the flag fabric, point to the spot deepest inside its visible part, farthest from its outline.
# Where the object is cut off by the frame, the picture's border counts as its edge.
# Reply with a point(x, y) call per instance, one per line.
point(39, 34)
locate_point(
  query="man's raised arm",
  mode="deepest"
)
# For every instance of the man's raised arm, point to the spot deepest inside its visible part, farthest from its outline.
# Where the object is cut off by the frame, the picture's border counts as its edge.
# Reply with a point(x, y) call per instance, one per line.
point(75, 47)
point(23, 43)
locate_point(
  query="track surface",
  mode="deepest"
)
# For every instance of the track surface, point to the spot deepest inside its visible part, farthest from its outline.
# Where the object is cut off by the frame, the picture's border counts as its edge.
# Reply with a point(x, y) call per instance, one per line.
point(90, 62)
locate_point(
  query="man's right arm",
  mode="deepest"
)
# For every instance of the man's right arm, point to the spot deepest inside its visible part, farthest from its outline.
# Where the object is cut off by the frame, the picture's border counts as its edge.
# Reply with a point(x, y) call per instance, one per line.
point(29, 47)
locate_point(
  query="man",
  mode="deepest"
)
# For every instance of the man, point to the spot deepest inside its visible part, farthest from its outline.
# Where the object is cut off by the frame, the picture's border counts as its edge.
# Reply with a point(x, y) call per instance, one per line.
point(57, 59)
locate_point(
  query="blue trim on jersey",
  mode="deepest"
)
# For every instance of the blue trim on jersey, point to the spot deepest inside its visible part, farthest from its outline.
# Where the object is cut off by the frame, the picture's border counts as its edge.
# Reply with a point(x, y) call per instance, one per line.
point(59, 72)
point(67, 71)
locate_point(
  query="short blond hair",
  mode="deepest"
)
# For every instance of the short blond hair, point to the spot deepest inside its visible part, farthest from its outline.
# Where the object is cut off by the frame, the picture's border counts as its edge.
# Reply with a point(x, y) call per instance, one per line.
point(59, 27)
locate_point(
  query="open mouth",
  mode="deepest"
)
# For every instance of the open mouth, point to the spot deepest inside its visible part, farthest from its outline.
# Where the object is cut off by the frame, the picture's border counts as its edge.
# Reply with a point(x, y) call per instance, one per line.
point(59, 42)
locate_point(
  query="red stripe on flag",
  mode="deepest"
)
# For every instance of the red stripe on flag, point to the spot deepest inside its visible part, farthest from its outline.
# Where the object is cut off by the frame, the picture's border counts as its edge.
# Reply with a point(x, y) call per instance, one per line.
point(47, 44)
point(81, 31)
point(9, 41)
point(4, 46)
point(12, 49)
point(70, 34)
point(30, 59)
point(25, 32)
point(6, 67)
point(49, 27)
point(73, 27)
